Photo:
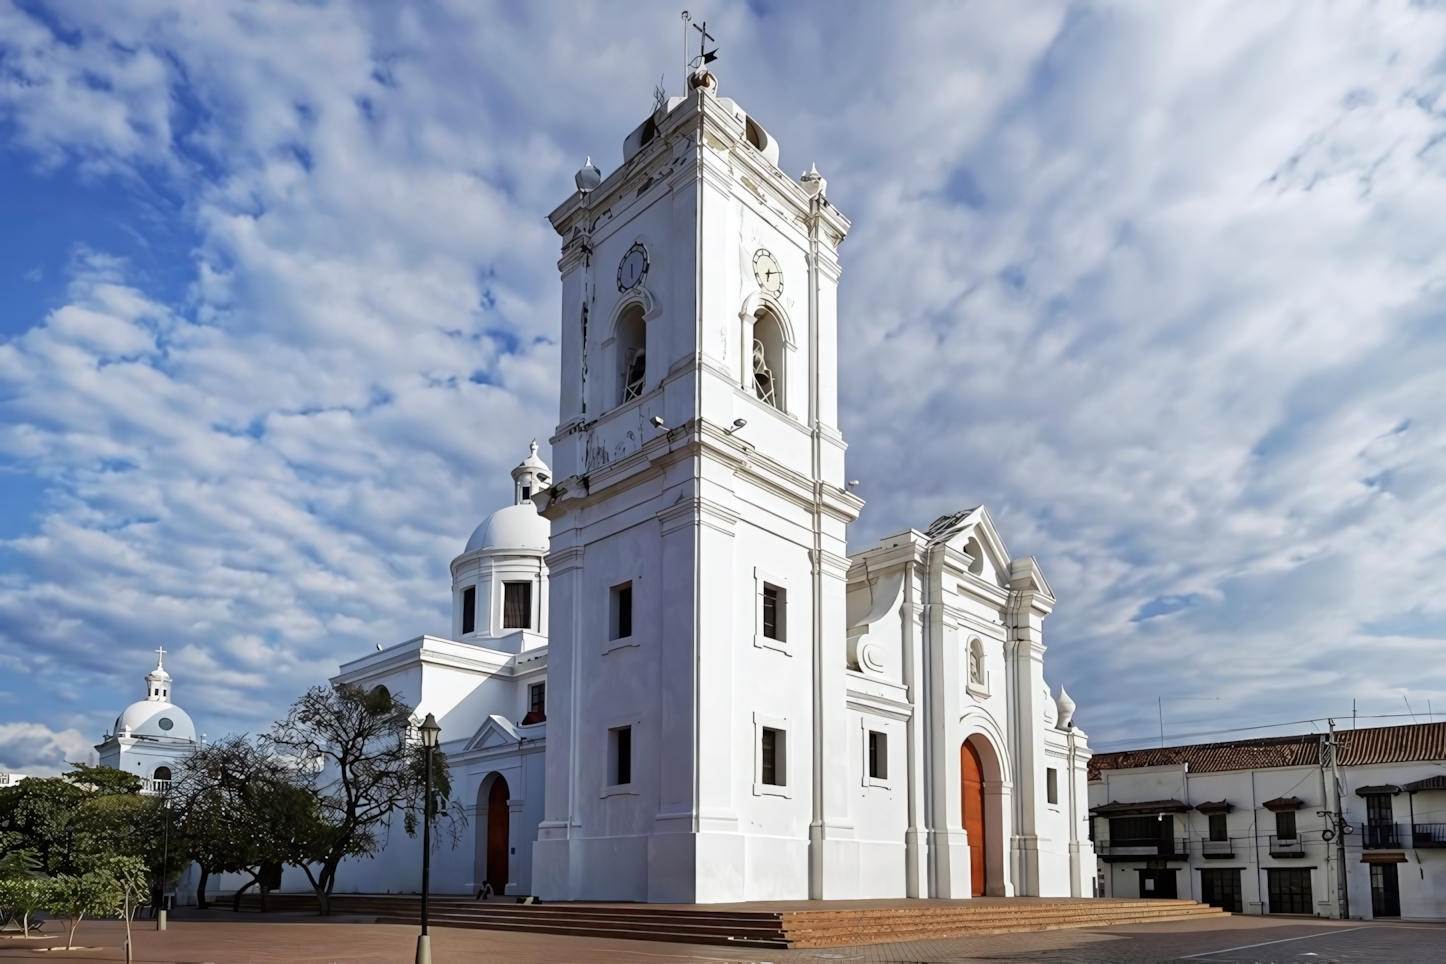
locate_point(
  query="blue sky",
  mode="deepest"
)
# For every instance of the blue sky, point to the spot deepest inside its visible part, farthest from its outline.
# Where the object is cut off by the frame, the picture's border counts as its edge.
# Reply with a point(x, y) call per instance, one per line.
point(1162, 285)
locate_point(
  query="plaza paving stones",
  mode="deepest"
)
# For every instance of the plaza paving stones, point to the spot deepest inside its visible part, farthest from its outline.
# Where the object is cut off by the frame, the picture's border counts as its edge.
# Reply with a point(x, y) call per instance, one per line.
point(224, 938)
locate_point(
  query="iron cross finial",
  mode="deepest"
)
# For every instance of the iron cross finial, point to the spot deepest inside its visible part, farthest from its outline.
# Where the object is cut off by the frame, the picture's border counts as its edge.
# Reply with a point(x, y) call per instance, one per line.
point(705, 56)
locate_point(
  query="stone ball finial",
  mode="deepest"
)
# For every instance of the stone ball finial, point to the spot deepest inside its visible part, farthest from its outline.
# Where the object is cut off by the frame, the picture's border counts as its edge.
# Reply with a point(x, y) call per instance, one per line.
point(1066, 707)
point(703, 79)
point(588, 178)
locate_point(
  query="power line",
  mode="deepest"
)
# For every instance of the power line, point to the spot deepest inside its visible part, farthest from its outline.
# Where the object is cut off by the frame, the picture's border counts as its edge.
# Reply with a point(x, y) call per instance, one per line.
point(1262, 726)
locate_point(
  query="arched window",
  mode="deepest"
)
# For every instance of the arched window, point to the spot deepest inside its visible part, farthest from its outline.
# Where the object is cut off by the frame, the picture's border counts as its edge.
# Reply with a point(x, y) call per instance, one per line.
point(630, 347)
point(162, 773)
point(976, 662)
point(767, 362)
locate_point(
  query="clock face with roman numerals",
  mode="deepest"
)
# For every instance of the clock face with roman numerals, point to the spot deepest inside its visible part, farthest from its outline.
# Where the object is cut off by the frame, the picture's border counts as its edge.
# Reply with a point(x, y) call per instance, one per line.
point(633, 268)
point(767, 271)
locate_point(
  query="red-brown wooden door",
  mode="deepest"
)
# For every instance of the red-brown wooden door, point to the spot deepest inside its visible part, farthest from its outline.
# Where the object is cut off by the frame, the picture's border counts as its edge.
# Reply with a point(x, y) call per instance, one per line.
point(971, 771)
point(497, 834)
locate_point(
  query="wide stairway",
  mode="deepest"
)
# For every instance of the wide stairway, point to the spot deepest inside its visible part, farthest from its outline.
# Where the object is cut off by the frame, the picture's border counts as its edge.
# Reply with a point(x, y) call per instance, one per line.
point(760, 924)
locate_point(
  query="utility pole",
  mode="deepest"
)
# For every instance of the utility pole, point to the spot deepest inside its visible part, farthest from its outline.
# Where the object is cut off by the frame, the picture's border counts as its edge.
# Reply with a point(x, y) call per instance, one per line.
point(1342, 878)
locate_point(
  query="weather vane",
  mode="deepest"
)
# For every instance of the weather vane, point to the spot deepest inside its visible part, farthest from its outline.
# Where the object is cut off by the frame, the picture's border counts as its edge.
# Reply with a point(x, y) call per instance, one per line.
point(705, 56)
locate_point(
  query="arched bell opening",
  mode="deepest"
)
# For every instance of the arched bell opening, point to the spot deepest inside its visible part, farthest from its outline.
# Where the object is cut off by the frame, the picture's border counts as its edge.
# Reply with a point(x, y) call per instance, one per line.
point(630, 349)
point(767, 361)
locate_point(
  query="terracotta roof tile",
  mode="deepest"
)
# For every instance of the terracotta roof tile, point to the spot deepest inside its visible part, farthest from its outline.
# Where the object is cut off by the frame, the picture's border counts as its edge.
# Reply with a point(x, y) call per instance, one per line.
point(1412, 742)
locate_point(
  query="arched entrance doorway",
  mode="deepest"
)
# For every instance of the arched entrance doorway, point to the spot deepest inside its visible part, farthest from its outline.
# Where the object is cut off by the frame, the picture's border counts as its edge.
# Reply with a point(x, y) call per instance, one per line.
point(971, 775)
point(496, 853)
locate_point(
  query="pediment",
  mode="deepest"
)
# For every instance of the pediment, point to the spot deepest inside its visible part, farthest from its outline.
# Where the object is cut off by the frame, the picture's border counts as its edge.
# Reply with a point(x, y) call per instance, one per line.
point(973, 532)
point(496, 732)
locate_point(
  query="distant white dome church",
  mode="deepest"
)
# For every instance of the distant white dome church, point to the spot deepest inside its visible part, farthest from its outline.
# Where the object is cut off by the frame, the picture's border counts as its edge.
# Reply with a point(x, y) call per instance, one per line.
point(153, 736)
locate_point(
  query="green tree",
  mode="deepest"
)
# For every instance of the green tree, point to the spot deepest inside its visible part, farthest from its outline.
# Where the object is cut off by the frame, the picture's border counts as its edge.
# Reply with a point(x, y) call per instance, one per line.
point(350, 749)
point(23, 896)
point(73, 896)
point(132, 880)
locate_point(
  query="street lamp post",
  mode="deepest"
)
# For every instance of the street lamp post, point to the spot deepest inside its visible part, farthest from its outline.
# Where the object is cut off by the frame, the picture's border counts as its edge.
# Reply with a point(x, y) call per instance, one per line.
point(431, 735)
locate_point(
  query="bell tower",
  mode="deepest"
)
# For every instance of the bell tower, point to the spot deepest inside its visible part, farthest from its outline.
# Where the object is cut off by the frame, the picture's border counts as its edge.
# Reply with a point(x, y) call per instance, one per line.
point(698, 520)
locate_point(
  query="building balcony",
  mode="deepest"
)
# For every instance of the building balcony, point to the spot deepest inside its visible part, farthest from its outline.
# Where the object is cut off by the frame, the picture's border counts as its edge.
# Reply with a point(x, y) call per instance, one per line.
point(1384, 836)
point(1217, 849)
point(1149, 848)
point(1286, 846)
point(160, 787)
point(1428, 835)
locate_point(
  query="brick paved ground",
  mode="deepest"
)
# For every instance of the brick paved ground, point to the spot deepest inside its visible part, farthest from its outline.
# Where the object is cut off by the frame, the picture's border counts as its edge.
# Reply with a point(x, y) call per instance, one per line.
point(232, 939)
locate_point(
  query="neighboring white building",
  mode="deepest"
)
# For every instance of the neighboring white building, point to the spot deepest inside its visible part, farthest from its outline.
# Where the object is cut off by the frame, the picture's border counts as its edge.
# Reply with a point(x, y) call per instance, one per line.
point(675, 684)
point(152, 737)
point(1250, 825)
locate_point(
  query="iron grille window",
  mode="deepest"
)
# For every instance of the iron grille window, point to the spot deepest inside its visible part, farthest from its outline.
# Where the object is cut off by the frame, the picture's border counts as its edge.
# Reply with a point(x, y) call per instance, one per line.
point(1285, 825)
point(1051, 785)
point(773, 612)
point(878, 755)
point(469, 610)
point(771, 754)
point(537, 698)
point(1217, 831)
point(1289, 891)
point(517, 605)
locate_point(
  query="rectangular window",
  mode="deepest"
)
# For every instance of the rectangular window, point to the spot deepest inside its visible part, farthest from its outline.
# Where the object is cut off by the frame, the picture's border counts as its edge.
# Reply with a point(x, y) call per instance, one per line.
point(517, 605)
point(878, 755)
point(1289, 891)
point(773, 612)
point(620, 747)
point(1285, 825)
point(537, 698)
point(1129, 831)
point(469, 610)
point(1378, 809)
point(1051, 785)
point(772, 756)
point(622, 611)
point(1217, 828)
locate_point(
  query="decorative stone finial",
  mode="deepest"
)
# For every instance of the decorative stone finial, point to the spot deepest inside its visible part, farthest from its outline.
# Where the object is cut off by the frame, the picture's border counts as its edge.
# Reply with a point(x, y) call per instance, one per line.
point(1066, 708)
point(703, 79)
point(588, 178)
point(813, 183)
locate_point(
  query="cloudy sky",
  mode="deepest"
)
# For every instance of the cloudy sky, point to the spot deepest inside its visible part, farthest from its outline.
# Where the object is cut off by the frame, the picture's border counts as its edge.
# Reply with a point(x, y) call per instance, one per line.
point(1163, 285)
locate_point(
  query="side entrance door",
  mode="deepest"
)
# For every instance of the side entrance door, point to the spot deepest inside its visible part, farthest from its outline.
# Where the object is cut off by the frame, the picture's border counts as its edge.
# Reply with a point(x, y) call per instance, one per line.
point(1385, 891)
point(1158, 884)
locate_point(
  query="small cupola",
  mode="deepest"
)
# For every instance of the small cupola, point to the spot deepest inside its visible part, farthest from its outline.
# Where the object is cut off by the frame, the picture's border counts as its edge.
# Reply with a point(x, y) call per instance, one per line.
point(532, 475)
point(158, 681)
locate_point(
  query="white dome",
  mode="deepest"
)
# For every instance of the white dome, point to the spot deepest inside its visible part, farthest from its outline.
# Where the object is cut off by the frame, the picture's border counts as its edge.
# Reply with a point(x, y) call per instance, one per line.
point(514, 527)
point(156, 718)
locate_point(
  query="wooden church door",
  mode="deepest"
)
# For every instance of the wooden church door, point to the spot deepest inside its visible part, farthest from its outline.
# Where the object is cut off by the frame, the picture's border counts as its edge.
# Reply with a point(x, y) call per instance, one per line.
point(971, 770)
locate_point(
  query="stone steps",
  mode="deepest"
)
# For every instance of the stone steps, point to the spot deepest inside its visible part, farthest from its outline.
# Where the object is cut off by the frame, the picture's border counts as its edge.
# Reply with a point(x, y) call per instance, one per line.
point(829, 925)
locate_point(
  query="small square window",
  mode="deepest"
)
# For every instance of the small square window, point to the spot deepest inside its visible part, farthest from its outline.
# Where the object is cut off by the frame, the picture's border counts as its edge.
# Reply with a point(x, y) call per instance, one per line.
point(1051, 785)
point(772, 769)
point(878, 755)
point(620, 755)
point(621, 617)
point(537, 698)
point(517, 605)
point(469, 610)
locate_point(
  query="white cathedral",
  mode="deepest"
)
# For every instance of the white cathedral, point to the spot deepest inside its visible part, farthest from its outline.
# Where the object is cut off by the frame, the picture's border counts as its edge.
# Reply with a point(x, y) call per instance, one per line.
point(666, 679)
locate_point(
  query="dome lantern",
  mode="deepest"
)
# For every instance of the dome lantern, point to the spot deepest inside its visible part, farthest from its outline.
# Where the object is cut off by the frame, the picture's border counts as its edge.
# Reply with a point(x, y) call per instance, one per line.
point(530, 476)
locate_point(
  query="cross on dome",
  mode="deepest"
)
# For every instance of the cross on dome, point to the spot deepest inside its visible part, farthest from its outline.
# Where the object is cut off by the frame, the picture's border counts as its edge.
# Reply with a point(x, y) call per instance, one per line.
point(161, 657)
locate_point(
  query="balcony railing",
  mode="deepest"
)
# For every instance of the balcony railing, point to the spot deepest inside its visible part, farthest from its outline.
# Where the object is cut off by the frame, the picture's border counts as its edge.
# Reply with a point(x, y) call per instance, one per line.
point(1387, 836)
point(1428, 835)
point(149, 785)
point(1286, 846)
point(1217, 849)
point(1173, 847)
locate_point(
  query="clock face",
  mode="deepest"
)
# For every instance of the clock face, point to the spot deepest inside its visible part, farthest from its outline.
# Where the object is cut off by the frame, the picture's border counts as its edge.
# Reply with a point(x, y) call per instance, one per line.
point(633, 268)
point(768, 273)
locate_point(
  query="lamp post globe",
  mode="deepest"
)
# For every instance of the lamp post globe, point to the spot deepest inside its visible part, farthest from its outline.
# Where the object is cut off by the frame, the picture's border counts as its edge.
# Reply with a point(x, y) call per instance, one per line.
point(431, 734)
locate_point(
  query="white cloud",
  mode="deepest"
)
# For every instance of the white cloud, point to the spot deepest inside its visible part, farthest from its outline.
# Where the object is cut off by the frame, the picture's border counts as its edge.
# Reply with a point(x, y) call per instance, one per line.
point(41, 751)
point(1160, 285)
